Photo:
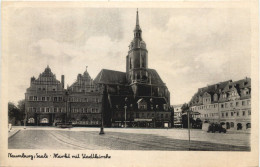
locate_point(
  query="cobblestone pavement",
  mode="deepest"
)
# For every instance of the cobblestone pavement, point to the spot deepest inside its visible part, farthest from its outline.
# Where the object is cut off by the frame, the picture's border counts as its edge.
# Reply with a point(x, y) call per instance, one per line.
point(127, 139)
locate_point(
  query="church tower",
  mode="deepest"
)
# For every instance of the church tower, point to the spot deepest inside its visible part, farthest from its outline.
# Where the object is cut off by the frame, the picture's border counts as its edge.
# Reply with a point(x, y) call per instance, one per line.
point(136, 60)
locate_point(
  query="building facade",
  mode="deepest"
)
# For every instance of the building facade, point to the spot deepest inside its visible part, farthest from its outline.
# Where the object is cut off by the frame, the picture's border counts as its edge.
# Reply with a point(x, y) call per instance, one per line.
point(48, 103)
point(44, 99)
point(177, 117)
point(228, 103)
point(85, 101)
point(137, 97)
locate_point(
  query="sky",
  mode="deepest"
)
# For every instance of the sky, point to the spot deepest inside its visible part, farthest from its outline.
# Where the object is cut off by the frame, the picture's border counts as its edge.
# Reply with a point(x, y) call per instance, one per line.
point(189, 47)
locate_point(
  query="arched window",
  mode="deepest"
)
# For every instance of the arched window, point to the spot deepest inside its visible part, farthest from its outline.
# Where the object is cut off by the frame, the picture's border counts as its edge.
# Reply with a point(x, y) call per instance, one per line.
point(31, 120)
point(130, 65)
point(239, 126)
point(232, 124)
point(44, 120)
point(142, 105)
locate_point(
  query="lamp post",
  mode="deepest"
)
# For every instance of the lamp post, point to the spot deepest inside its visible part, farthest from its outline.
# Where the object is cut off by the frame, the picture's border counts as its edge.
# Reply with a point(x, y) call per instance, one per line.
point(189, 126)
point(125, 110)
point(25, 120)
point(102, 110)
point(102, 125)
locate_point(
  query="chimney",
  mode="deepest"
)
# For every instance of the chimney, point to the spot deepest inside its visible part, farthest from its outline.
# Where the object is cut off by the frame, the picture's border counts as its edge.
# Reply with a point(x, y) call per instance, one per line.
point(62, 81)
point(216, 86)
point(32, 79)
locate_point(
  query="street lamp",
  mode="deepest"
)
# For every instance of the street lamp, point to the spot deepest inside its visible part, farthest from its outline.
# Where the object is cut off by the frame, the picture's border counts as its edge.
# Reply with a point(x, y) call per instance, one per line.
point(188, 113)
point(102, 125)
point(125, 110)
point(102, 110)
point(25, 120)
point(189, 126)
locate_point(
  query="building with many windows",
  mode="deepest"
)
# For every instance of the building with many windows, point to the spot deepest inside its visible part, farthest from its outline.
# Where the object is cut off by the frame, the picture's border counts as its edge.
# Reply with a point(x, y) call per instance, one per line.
point(228, 103)
point(85, 101)
point(47, 102)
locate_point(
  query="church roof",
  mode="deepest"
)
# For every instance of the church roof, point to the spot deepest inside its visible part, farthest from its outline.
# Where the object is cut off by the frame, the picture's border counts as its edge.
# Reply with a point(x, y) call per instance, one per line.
point(155, 78)
point(110, 77)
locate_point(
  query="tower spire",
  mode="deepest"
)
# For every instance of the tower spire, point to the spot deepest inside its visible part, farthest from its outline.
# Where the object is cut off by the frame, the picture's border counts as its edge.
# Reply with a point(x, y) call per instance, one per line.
point(137, 26)
point(137, 18)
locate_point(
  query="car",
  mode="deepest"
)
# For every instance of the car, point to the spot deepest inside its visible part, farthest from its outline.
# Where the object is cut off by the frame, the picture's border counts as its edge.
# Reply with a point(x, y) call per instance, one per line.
point(215, 127)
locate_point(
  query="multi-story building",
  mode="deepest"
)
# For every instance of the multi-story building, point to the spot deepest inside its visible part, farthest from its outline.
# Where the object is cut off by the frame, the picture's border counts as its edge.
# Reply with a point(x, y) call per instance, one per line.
point(177, 118)
point(137, 97)
point(47, 102)
point(84, 101)
point(44, 99)
point(228, 103)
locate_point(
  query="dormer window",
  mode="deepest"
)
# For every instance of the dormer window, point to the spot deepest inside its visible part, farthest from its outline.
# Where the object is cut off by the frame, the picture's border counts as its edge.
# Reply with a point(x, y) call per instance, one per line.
point(215, 97)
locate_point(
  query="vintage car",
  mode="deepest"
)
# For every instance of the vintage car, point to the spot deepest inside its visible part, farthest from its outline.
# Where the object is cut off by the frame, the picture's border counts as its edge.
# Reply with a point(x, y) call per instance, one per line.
point(215, 127)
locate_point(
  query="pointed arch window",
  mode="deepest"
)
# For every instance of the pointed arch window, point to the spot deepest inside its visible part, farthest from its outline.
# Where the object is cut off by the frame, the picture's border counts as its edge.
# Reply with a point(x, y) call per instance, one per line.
point(130, 65)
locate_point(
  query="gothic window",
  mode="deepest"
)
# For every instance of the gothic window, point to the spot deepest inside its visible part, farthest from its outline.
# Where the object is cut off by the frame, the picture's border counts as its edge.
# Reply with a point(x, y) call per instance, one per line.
point(143, 61)
point(130, 63)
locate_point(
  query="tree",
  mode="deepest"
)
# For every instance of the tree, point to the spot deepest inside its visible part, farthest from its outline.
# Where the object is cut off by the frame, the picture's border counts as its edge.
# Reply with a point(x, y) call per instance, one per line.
point(21, 107)
point(16, 113)
point(13, 112)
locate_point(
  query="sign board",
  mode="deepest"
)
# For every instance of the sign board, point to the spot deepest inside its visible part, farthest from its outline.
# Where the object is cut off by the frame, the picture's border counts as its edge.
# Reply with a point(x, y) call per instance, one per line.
point(137, 119)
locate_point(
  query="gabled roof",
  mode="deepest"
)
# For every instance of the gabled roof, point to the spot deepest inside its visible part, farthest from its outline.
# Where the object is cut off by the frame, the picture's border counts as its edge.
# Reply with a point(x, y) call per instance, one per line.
point(110, 77)
point(222, 87)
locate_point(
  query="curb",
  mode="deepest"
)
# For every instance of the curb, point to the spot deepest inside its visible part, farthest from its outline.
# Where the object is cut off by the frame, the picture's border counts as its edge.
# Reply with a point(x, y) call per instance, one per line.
point(14, 134)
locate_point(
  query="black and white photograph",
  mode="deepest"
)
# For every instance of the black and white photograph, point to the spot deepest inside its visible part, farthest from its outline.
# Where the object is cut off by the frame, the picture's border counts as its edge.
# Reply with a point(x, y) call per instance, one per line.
point(110, 78)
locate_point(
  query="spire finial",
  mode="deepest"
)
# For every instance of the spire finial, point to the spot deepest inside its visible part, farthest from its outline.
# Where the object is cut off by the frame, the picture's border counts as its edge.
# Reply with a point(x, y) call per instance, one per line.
point(137, 18)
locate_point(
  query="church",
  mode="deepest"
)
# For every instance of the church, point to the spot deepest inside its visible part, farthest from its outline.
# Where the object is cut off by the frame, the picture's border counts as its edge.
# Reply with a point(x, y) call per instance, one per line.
point(137, 97)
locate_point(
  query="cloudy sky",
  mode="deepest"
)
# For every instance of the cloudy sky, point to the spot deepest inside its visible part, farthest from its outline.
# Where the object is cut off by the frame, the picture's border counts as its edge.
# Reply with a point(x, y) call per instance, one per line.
point(189, 47)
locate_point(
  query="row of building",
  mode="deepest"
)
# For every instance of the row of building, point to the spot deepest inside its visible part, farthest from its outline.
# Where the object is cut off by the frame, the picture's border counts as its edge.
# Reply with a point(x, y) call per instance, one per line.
point(135, 98)
point(227, 103)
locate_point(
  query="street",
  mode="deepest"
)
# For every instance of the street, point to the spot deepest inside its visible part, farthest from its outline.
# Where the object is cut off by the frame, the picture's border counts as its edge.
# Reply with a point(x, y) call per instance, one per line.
point(126, 139)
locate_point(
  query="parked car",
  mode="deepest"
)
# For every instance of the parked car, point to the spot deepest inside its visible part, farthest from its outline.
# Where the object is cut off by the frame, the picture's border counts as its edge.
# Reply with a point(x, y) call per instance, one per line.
point(215, 127)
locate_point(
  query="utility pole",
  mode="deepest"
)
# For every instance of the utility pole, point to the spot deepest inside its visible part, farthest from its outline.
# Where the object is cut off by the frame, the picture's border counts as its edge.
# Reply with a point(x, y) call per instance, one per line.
point(189, 126)
point(125, 110)
point(102, 111)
